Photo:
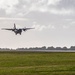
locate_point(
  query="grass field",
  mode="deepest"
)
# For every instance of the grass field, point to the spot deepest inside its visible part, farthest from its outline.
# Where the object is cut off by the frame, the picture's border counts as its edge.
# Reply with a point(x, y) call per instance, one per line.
point(28, 63)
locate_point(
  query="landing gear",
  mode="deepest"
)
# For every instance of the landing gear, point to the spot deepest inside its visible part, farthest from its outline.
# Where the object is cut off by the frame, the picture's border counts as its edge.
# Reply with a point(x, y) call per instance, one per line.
point(20, 33)
point(15, 33)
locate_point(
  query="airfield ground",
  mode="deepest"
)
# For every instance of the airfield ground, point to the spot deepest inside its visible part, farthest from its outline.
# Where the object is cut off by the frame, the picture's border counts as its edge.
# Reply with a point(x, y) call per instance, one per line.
point(36, 63)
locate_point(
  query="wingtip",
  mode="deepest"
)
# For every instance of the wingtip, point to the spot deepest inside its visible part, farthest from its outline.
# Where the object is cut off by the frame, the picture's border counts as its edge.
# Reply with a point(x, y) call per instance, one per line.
point(32, 28)
point(2, 28)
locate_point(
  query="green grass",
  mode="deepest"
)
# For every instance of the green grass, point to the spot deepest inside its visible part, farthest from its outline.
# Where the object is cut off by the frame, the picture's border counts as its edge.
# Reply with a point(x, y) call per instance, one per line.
point(28, 63)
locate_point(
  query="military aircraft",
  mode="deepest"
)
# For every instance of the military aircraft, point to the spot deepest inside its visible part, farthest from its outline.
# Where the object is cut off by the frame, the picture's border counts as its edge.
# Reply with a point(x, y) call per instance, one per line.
point(17, 30)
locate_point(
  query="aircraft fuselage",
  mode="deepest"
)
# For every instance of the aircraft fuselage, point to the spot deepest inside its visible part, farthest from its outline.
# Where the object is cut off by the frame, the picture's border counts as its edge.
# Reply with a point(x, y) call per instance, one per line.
point(17, 31)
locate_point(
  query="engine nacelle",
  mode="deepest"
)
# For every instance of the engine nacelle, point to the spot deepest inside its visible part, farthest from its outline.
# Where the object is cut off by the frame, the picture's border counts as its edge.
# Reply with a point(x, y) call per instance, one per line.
point(24, 29)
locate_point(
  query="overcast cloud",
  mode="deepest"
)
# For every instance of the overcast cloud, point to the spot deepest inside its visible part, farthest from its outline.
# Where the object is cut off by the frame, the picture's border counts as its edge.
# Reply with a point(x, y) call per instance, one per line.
point(54, 22)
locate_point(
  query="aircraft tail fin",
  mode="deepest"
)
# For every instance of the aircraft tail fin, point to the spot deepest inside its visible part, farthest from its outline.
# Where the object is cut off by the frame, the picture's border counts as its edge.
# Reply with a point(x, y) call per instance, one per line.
point(14, 26)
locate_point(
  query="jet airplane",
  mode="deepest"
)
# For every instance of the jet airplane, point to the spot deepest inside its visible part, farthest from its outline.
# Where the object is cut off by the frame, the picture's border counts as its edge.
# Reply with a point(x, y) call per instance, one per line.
point(17, 30)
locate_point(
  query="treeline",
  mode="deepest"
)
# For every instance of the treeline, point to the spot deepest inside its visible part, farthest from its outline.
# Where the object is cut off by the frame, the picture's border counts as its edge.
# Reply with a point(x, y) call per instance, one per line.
point(47, 48)
point(42, 48)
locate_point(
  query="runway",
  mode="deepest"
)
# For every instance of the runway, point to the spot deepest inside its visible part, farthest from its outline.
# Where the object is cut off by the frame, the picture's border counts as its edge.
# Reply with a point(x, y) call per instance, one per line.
point(45, 50)
point(37, 50)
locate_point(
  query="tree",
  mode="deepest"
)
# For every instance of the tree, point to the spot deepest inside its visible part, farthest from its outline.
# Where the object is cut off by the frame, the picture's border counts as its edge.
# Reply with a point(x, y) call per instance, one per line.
point(72, 48)
point(43, 48)
point(58, 48)
point(50, 48)
point(65, 48)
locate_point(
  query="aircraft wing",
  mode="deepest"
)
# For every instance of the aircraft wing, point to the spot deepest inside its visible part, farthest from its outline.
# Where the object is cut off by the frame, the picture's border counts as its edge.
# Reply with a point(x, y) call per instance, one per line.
point(25, 29)
point(7, 29)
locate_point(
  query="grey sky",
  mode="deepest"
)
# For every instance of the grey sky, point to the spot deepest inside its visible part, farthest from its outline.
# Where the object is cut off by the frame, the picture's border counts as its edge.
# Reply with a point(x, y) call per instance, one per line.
point(54, 22)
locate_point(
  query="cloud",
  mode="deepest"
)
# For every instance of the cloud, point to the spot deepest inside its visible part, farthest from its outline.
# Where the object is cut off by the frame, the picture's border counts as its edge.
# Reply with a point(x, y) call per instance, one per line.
point(61, 11)
point(42, 5)
point(24, 7)
point(39, 27)
point(50, 6)
point(8, 5)
point(3, 18)
point(53, 2)
point(66, 27)
point(21, 8)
